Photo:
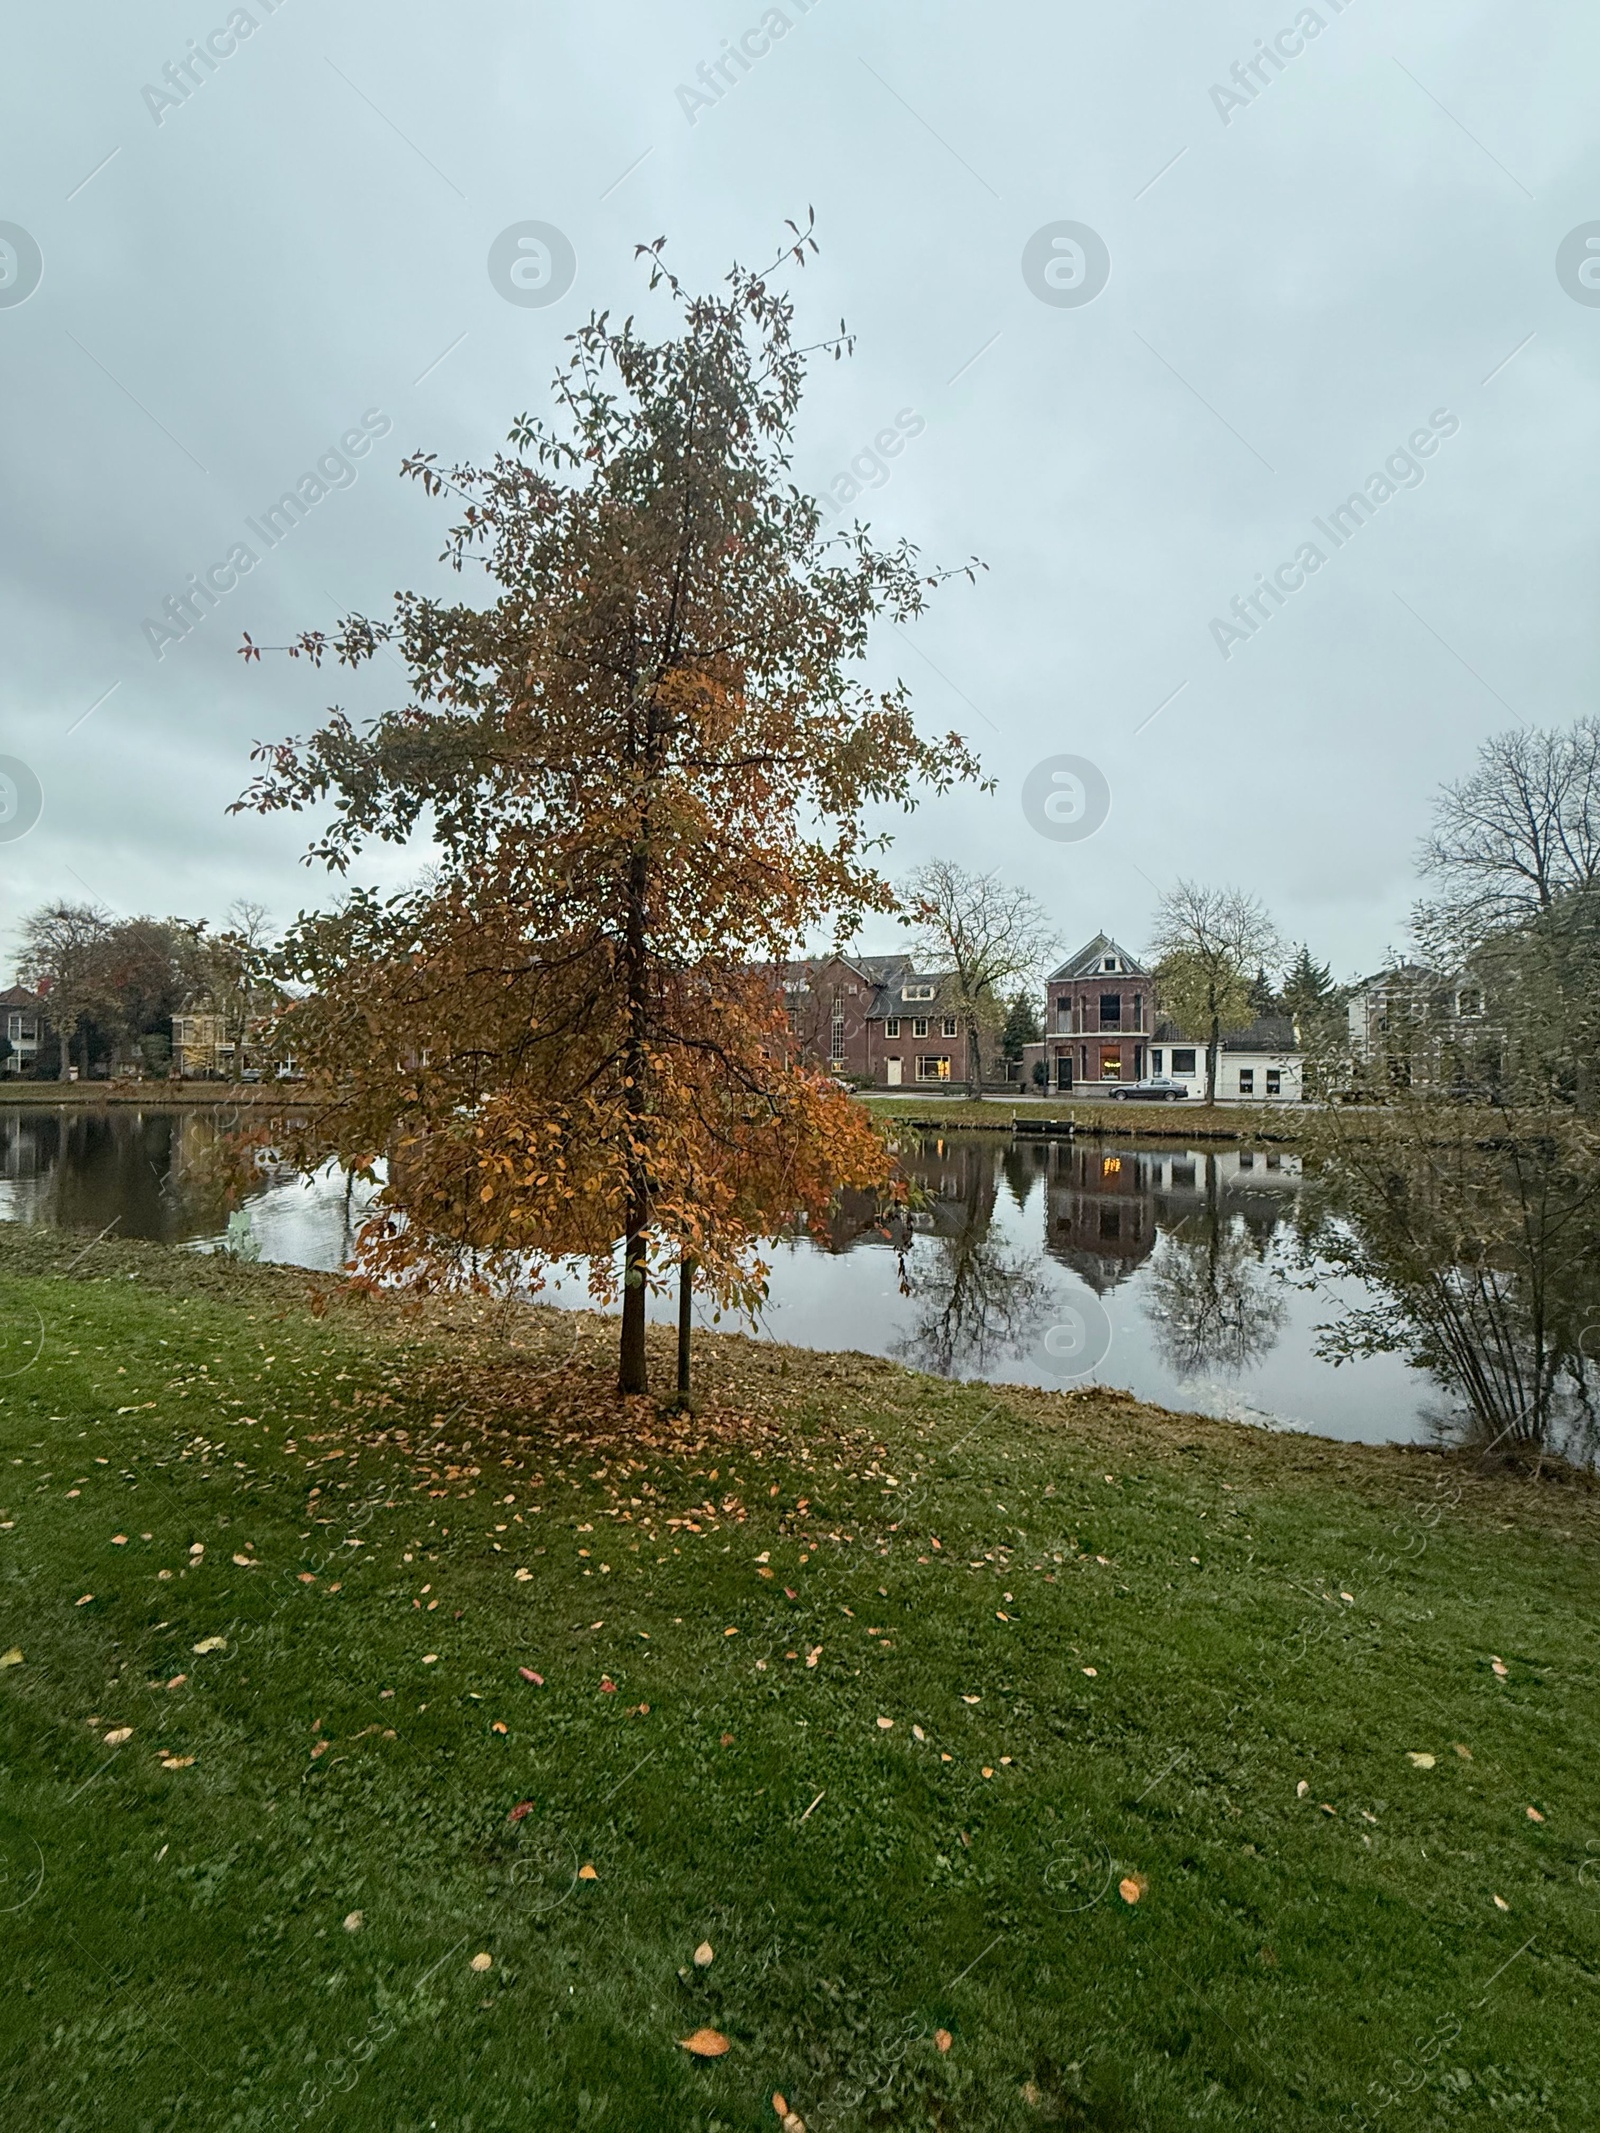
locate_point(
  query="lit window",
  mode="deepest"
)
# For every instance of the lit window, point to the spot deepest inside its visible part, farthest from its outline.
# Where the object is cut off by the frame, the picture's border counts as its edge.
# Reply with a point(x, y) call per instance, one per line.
point(936, 1068)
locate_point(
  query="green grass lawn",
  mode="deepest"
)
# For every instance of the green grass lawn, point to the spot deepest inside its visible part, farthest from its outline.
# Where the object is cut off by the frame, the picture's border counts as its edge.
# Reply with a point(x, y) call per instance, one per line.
point(1022, 1760)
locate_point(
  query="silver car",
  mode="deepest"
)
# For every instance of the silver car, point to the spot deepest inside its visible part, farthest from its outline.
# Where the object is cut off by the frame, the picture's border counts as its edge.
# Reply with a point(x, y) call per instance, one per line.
point(1157, 1089)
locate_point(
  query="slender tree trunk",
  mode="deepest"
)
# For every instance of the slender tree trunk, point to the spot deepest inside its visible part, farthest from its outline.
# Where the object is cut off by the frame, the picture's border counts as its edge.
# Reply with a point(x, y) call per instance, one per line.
point(685, 1323)
point(633, 1374)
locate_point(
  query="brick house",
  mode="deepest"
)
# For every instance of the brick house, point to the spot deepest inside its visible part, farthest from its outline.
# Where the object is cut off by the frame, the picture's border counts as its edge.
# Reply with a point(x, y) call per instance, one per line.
point(1099, 1012)
point(876, 1020)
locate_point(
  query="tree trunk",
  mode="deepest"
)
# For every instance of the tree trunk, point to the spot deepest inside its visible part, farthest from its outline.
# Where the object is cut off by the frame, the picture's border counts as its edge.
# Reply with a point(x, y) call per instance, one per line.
point(1213, 1056)
point(632, 1373)
point(974, 1062)
point(685, 1323)
point(64, 1070)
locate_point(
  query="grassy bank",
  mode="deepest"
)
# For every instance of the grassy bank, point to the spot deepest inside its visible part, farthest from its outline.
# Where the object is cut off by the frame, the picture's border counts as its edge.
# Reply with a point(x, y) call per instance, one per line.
point(1176, 1122)
point(1020, 1760)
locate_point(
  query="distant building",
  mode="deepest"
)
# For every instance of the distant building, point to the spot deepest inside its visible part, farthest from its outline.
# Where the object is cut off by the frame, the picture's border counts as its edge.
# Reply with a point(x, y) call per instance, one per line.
point(22, 1022)
point(1261, 1064)
point(1412, 1025)
point(876, 1020)
point(1099, 1013)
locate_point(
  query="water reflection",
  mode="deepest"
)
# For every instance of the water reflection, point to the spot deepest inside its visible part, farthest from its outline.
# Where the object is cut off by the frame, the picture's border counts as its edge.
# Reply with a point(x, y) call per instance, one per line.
point(168, 1176)
point(1193, 1253)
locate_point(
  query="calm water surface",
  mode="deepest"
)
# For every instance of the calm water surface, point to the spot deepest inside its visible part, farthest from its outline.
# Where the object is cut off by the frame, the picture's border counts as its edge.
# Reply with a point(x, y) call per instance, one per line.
point(1189, 1253)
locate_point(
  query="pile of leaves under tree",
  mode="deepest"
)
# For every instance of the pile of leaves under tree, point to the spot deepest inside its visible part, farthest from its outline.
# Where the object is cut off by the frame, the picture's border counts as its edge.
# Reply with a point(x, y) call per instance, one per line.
point(645, 763)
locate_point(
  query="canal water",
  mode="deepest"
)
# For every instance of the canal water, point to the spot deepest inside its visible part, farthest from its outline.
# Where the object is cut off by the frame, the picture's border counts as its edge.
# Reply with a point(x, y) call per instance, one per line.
point(1170, 1271)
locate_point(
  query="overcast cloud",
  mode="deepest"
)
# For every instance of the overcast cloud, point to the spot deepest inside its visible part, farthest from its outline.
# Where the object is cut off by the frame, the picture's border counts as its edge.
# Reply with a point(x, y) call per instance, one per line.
point(1308, 267)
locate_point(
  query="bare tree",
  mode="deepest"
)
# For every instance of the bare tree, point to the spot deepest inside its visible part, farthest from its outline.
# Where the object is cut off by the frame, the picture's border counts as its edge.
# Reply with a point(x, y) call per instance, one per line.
point(1210, 944)
point(61, 958)
point(992, 938)
point(1510, 841)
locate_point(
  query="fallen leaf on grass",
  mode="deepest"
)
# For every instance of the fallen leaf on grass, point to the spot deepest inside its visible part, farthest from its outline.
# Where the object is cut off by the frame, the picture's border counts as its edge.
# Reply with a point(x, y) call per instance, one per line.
point(886, 1725)
point(943, 2039)
point(430, 1658)
point(705, 2044)
point(119, 1540)
point(1465, 1753)
point(917, 1733)
point(814, 1655)
point(211, 1644)
point(12, 1657)
point(247, 1562)
point(308, 1577)
point(176, 1762)
point(1534, 1815)
point(587, 1873)
point(969, 1699)
point(118, 1735)
point(789, 1593)
point(704, 1955)
point(88, 1596)
point(1301, 1789)
point(482, 1962)
point(528, 1674)
point(1418, 1756)
point(1327, 1810)
point(1131, 1887)
point(1501, 1904)
point(523, 1807)
point(727, 1740)
point(607, 1686)
point(523, 1576)
point(1092, 1671)
point(1499, 1666)
point(988, 1773)
point(354, 1922)
point(499, 1726)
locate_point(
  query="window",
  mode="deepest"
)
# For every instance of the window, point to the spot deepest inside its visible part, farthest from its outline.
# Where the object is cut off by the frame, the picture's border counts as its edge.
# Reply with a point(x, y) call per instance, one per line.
point(949, 1026)
point(1111, 1010)
point(1247, 1081)
point(1110, 963)
point(1063, 1017)
point(1247, 1160)
point(919, 1028)
point(1182, 1063)
point(836, 1037)
point(916, 992)
point(936, 1068)
point(1274, 1081)
point(791, 1008)
point(1111, 1062)
point(1111, 1221)
point(1156, 1058)
point(1470, 1003)
point(1183, 1174)
point(891, 1027)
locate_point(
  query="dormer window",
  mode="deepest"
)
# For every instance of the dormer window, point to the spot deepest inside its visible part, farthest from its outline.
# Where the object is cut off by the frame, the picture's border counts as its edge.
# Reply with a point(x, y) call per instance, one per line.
point(1110, 963)
point(916, 992)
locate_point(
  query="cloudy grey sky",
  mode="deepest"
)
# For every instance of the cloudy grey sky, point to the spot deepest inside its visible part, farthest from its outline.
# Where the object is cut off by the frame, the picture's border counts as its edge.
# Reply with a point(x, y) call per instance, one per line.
point(1355, 243)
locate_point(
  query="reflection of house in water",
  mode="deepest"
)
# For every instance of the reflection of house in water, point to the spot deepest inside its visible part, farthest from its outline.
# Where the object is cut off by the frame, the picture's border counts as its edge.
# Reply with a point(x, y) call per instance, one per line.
point(1258, 1185)
point(1099, 1219)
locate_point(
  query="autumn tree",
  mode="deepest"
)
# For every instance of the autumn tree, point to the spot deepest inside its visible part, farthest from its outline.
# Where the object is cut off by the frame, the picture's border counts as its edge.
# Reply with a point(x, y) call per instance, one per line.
point(644, 759)
point(1209, 943)
point(61, 956)
point(988, 936)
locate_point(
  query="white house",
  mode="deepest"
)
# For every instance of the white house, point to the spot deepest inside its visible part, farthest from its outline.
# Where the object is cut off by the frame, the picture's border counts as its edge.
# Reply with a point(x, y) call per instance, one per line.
point(1261, 1064)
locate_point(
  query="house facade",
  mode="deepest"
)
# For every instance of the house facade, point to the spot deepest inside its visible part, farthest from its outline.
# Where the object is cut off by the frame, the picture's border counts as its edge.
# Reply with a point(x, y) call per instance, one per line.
point(1261, 1064)
point(876, 1020)
point(1099, 1015)
point(1412, 1025)
point(22, 1023)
